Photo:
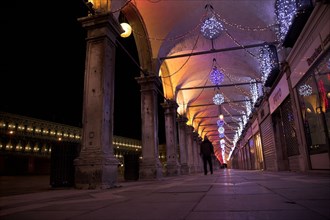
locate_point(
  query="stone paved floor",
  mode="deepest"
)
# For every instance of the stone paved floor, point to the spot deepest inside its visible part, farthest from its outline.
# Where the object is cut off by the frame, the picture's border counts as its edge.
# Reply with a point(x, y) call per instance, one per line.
point(227, 194)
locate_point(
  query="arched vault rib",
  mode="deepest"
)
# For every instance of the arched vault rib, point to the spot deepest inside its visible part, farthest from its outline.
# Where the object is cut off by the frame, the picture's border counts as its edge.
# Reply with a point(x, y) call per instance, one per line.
point(167, 83)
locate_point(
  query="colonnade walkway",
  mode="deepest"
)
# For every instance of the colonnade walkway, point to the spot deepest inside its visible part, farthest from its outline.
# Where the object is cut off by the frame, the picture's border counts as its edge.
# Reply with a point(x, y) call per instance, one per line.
point(227, 194)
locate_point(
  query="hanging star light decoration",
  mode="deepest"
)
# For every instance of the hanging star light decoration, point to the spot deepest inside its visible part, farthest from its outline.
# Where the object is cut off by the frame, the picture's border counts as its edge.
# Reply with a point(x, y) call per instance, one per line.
point(305, 90)
point(218, 99)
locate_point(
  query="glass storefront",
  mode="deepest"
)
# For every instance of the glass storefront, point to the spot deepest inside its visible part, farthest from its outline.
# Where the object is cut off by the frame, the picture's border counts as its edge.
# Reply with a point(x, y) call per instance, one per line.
point(314, 97)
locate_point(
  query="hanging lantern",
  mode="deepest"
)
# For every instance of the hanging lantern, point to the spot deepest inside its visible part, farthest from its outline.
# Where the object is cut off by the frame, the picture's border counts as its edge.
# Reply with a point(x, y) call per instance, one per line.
point(216, 76)
point(220, 123)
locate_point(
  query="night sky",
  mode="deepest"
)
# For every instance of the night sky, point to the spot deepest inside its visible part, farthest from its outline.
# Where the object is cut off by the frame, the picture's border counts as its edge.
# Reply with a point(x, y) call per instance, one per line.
point(42, 67)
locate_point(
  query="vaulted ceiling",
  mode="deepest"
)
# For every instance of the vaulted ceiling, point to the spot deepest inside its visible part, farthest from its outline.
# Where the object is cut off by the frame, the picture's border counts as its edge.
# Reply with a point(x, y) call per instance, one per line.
point(180, 48)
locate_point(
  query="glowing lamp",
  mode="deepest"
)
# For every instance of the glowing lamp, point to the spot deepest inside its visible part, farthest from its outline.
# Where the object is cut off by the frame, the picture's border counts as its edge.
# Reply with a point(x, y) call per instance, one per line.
point(221, 116)
point(127, 28)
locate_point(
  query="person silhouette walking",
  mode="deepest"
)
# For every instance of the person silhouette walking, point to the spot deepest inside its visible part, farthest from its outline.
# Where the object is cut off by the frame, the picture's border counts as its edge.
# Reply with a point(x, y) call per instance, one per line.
point(206, 152)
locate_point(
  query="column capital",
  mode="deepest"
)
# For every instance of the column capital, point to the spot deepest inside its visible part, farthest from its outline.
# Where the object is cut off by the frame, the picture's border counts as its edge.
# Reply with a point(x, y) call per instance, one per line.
point(100, 25)
point(170, 104)
point(170, 107)
point(182, 119)
point(148, 82)
point(195, 135)
point(190, 129)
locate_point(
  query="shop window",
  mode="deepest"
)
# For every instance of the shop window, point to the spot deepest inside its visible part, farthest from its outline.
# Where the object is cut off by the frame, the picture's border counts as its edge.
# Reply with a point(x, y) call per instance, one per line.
point(314, 96)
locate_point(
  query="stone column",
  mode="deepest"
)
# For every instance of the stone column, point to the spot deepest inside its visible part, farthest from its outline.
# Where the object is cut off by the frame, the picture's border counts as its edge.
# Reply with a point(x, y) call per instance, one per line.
point(172, 163)
point(150, 165)
point(195, 150)
point(96, 166)
point(182, 124)
point(199, 158)
point(189, 142)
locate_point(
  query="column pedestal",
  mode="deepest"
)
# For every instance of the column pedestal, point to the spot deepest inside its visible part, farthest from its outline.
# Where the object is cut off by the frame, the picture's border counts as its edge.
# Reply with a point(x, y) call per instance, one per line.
point(96, 172)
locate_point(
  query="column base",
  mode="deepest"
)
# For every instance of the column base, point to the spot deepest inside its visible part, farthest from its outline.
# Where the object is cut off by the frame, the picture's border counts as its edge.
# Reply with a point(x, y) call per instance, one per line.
point(184, 169)
point(191, 169)
point(96, 172)
point(150, 169)
point(173, 169)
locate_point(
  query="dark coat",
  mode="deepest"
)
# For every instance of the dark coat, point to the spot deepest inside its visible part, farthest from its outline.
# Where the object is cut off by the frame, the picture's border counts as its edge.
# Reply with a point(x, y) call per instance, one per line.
point(206, 148)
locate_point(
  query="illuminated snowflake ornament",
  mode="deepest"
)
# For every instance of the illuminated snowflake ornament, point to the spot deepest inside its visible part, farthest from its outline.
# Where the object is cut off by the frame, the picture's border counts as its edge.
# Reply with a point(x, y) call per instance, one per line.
point(211, 28)
point(221, 130)
point(218, 99)
point(305, 90)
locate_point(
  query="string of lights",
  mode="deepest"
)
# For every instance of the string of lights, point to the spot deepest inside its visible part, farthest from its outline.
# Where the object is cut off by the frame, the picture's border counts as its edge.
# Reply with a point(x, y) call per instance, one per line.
point(245, 28)
point(239, 44)
point(121, 8)
point(200, 24)
point(192, 32)
point(234, 83)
